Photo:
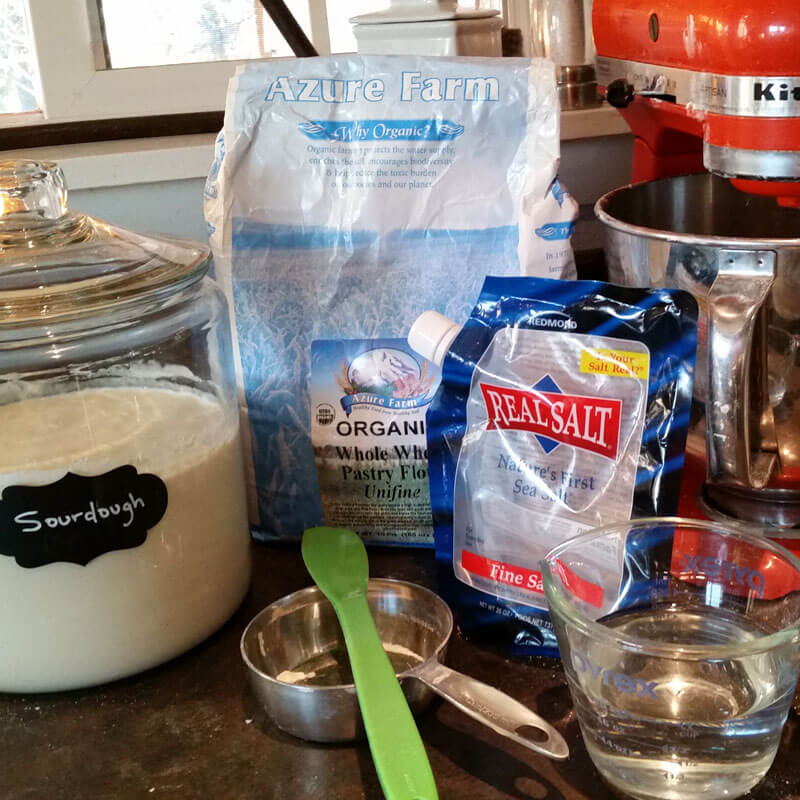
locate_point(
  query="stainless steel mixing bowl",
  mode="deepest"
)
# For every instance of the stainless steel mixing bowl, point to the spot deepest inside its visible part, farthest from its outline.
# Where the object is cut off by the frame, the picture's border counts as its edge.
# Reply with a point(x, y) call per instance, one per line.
point(739, 255)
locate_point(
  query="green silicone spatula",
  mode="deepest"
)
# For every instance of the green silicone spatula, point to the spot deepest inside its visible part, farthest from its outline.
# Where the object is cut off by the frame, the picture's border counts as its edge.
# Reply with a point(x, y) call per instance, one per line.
point(337, 561)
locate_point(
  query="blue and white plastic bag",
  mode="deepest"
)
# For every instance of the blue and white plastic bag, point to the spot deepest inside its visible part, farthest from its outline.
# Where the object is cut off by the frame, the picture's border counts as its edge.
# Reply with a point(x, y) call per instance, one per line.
point(349, 194)
point(563, 406)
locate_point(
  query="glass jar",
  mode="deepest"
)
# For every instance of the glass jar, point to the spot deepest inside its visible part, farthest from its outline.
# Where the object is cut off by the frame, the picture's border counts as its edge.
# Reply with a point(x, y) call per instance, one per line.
point(123, 524)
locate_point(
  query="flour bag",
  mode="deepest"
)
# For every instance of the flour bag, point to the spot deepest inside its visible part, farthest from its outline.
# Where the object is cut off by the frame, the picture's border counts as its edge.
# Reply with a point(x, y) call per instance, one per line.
point(349, 194)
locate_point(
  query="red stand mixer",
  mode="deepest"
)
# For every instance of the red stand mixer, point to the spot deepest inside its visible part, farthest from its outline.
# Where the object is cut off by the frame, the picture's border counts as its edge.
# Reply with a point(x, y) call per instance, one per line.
point(711, 91)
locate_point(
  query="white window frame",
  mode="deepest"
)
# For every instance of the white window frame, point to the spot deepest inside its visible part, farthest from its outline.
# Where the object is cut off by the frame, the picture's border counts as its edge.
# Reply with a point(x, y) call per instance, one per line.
point(76, 85)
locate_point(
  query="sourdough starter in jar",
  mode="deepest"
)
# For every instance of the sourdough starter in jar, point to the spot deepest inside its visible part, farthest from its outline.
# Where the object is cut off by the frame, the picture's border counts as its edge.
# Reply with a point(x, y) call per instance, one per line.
point(116, 570)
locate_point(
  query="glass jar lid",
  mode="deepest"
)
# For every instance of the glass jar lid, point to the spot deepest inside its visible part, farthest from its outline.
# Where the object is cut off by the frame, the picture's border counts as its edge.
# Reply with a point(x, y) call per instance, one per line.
point(55, 263)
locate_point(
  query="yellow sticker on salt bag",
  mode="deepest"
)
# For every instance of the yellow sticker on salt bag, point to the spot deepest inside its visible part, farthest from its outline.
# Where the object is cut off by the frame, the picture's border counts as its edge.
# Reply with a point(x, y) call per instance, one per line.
point(615, 363)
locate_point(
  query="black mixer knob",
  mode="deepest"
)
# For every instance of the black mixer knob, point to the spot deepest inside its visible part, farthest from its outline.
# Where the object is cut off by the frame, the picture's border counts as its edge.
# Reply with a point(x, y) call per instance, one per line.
point(620, 93)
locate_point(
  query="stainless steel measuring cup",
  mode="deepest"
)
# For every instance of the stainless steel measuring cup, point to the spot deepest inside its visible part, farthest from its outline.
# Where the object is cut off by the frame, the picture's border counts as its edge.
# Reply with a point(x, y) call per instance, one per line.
point(297, 666)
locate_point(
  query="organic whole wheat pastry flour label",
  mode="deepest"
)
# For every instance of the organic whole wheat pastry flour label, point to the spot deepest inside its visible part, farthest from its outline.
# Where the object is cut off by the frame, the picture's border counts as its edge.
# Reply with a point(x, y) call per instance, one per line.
point(368, 404)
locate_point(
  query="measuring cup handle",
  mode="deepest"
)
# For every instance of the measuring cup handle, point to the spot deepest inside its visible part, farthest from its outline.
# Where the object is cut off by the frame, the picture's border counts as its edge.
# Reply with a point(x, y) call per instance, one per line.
point(493, 708)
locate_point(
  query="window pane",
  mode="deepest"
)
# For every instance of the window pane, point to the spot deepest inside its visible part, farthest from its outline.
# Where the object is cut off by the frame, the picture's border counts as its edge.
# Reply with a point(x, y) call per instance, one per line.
point(154, 32)
point(19, 75)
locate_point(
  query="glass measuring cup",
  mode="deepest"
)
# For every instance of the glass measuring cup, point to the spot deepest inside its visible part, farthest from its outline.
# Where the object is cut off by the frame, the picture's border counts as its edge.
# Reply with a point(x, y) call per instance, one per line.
point(682, 663)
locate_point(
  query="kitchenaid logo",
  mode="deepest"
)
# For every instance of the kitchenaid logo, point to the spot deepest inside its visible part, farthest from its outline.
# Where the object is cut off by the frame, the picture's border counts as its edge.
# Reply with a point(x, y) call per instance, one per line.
point(589, 423)
point(770, 92)
point(716, 569)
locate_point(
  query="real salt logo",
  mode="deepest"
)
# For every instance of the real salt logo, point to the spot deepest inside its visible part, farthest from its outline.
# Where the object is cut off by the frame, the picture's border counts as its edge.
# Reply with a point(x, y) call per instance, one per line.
point(555, 418)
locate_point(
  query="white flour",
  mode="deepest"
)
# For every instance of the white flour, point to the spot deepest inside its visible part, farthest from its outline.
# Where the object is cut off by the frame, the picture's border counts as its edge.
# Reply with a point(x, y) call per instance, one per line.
point(302, 677)
point(64, 625)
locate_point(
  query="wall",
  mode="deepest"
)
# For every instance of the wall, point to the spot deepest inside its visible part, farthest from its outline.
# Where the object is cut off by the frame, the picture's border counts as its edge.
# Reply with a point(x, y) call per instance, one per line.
point(174, 207)
point(590, 168)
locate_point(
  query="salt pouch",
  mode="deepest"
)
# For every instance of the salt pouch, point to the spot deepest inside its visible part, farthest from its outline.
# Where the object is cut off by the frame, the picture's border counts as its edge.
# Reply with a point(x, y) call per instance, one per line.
point(563, 406)
point(350, 193)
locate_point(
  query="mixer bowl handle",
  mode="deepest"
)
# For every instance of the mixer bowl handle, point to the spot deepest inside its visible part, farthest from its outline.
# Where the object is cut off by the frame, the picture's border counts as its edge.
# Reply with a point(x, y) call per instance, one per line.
point(742, 284)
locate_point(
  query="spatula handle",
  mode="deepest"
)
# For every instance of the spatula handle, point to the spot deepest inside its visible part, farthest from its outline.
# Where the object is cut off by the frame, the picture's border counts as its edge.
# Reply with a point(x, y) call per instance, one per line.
point(397, 749)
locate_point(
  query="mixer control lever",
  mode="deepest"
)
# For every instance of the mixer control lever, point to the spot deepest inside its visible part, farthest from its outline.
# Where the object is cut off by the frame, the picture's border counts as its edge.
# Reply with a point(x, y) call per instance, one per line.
point(620, 93)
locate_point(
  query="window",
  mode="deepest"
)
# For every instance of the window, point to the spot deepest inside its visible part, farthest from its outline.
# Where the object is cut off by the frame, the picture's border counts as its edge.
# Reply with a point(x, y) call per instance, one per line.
point(74, 60)
point(19, 75)
point(153, 33)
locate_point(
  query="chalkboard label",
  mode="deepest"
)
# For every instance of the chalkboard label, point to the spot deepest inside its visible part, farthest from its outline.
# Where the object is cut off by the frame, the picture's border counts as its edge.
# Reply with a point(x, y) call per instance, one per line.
point(78, 518)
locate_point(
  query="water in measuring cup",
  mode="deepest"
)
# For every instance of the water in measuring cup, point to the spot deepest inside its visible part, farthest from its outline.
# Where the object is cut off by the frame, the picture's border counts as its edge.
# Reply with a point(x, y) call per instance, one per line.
point(679, 730)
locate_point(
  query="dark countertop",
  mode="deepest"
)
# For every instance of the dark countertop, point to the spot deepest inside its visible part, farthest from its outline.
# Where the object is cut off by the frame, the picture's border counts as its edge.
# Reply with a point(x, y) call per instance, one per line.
point(191, 729)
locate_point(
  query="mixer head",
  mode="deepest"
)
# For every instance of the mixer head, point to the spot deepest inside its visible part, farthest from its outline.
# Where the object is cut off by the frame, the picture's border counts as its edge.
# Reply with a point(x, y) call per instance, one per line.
point(711, 84)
